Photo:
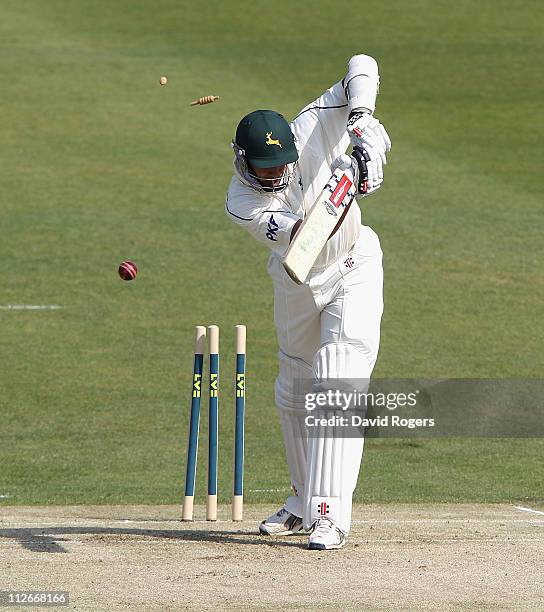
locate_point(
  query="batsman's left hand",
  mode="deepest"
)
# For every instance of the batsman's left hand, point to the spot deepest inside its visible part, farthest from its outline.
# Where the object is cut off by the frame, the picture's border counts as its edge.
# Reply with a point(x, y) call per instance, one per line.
point(367, 132)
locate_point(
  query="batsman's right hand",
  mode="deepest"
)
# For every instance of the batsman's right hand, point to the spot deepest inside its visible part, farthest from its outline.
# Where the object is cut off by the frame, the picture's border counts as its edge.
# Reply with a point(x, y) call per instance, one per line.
point(363, 169)
point(370, 179)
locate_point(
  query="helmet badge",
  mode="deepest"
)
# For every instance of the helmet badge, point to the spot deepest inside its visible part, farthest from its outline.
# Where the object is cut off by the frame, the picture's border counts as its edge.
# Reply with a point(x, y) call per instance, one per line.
point(270, 141)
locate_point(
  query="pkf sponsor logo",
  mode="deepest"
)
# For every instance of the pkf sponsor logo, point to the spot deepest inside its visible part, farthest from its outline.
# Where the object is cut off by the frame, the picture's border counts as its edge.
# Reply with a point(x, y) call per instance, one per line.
point(341, 190)
point(323, 508)
point(272, 229)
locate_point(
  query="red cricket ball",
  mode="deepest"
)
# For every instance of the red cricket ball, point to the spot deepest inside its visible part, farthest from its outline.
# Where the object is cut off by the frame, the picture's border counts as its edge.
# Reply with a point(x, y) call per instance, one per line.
point(128, 270)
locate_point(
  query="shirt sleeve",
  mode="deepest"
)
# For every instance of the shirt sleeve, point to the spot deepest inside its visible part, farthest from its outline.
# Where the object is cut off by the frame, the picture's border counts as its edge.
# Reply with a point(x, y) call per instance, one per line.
point(320, 127)
point(263, 218)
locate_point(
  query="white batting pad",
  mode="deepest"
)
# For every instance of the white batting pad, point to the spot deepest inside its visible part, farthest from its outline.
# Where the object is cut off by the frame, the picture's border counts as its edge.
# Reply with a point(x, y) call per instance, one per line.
point(333, 460)
point(342, 365)
point(290, 400)
point(325, 507)
point(333, 468)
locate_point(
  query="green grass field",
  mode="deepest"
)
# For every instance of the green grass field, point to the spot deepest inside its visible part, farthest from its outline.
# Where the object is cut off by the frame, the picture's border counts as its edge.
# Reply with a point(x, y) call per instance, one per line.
point(99, 164)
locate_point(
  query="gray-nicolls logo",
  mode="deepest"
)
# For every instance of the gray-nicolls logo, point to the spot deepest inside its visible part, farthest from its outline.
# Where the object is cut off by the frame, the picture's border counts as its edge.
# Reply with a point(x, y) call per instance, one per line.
point(349, 262)
point(323, 508)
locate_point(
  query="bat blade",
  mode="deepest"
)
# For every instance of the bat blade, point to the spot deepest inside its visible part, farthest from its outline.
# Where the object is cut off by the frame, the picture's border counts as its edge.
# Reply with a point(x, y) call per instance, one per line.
point(314, 231)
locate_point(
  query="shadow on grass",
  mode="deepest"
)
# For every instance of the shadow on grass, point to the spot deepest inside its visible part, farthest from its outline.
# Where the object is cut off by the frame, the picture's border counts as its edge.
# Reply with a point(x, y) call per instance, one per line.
point(49, 540)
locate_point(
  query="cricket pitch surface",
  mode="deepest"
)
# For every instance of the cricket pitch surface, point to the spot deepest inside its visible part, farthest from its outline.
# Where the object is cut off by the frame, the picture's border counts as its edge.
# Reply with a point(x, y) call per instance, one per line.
point(401, 557)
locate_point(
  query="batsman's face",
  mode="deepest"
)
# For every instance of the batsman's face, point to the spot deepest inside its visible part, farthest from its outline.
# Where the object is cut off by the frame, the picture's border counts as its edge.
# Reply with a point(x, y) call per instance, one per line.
point(269, 177)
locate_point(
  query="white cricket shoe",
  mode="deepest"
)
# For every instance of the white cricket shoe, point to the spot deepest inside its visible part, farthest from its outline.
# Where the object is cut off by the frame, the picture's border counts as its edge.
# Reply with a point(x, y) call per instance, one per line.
point(326, 536)
point(281, 523)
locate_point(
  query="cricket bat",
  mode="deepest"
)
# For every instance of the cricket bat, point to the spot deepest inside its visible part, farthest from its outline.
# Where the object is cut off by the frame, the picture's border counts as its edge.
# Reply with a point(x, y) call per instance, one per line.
point(316, 228)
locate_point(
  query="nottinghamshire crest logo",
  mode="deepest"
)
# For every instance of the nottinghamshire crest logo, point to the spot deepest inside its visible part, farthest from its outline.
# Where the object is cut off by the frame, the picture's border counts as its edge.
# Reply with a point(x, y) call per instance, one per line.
point(270, 141)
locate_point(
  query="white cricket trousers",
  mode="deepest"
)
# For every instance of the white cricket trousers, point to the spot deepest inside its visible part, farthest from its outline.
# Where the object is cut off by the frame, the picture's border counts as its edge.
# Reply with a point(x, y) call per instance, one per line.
point(328, 327)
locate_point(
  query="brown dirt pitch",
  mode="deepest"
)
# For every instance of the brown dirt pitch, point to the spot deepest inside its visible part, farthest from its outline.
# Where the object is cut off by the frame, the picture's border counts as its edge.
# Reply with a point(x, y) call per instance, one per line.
point(405, 557)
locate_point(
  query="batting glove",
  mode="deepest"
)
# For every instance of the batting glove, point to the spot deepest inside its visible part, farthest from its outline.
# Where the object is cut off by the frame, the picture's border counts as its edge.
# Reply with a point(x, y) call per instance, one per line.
point(367, 132)
point(362, 169)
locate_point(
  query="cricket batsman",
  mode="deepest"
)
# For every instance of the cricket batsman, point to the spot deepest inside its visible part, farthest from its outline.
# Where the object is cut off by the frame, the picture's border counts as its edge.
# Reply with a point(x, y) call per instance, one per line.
point(328, 327)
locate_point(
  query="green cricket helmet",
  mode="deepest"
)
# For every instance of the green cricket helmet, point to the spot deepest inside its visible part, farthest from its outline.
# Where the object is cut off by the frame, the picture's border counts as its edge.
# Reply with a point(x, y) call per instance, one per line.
point(264, 140)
